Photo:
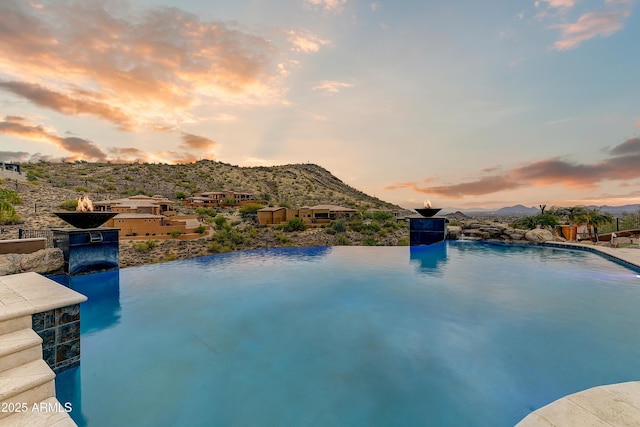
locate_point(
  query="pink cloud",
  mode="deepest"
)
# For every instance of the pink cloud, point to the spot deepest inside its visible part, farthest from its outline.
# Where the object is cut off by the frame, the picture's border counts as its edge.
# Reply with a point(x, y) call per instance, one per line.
point(588, 26)
point(560, 3)
point(328, 6)
point(620, 166)
point(331, 86)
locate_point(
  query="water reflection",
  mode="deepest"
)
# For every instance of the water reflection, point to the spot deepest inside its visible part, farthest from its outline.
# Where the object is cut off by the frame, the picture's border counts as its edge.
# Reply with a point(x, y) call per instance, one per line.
point(69, 390)
point(429, 259)
point(102, 309)
point(99, 312)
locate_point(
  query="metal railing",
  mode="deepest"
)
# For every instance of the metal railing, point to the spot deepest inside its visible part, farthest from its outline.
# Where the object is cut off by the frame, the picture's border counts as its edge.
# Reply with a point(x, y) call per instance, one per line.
point(630, 221)
point(29, 234)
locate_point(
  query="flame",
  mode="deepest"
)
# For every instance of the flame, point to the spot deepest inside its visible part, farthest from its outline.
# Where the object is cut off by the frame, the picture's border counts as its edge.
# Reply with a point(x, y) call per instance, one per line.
point(84, 204)
point(427, 204)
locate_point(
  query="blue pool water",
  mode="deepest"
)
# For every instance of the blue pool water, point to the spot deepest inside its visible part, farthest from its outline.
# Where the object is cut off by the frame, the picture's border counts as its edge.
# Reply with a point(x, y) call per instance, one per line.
point(455, 334)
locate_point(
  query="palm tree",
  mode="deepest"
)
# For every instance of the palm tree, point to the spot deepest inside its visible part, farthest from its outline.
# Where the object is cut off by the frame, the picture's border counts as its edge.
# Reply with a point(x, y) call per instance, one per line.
point(573, 214)
point(595, 218)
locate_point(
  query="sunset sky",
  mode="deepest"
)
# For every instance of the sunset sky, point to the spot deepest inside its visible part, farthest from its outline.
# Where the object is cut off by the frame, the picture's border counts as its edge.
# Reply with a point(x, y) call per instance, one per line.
point(467, 103)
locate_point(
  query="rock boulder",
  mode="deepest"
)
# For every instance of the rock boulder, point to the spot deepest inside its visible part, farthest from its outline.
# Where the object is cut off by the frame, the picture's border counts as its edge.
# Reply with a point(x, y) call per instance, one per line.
point(538, 236)
point(42, 261)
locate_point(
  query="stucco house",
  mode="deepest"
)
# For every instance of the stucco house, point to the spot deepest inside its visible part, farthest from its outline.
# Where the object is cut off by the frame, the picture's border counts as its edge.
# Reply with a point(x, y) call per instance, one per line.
point(144, 217)
point(313, 216)
point(219, 198)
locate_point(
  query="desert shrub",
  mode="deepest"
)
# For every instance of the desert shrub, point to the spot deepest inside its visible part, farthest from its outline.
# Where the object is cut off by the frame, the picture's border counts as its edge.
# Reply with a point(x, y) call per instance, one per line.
point(217, 248)
point(339, 226)
point(31, 176)
point(80, 189)
point(283, 239)
point(356, 225)
point(294, 224)
point(181, 195)
point(220, 221)
point(10, 196)
point(206, 212)
point(230, 237)
point(174, 234)
point(330, 231)
point(342, 240)
point(379, 215)
point(8, 214)
point(68, 205)
point(145, 246)
point(250, 209)
point(364, 228)
point(201, 229)
point(170, 256)
point(404, 241)
point(369, 241)
point(391, 225)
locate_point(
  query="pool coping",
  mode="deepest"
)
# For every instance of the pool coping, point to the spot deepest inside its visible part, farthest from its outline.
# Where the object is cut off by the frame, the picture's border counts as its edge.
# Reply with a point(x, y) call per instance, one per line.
point(629, 257)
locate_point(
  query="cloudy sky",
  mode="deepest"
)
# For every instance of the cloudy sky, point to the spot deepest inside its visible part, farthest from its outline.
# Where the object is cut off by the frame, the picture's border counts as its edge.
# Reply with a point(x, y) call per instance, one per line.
point(468, 103)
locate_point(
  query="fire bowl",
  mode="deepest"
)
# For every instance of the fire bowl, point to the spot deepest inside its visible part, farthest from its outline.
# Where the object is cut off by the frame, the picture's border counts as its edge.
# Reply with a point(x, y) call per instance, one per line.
point(85, 219)
point(428, 212)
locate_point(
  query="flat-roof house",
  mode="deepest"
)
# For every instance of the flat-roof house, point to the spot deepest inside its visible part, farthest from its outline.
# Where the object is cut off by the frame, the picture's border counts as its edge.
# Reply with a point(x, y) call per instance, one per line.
point(312, 216)
point(219, 198)
point(144, 216)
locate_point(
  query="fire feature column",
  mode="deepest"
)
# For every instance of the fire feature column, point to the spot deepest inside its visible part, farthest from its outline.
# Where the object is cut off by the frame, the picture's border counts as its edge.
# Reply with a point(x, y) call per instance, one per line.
point(427, 228)
point(87, 248)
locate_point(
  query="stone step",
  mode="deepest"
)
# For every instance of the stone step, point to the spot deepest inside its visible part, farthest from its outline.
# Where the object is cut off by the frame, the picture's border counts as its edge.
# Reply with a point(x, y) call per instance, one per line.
point(18, 348)
point(48, 413)
point(26, 384)
point(15, 324)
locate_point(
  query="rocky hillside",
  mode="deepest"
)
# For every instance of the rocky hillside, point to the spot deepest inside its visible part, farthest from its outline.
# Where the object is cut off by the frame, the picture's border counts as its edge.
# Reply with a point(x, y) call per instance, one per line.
point(296, 185)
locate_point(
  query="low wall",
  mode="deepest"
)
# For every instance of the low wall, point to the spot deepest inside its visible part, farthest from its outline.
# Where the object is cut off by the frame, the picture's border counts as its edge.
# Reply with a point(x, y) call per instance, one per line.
point(22, 246)
point(59, 329)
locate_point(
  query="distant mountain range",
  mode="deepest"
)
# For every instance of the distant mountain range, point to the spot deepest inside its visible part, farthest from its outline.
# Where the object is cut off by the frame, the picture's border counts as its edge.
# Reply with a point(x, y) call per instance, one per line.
point(521, 210)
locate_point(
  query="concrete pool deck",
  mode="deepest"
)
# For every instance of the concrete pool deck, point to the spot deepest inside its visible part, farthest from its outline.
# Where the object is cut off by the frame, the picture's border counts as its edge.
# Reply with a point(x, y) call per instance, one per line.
point(629, 255)
point(606, 405)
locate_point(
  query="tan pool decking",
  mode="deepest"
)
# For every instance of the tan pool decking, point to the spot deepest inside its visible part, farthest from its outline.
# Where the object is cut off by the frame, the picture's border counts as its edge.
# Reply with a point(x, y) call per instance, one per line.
point(27, 390)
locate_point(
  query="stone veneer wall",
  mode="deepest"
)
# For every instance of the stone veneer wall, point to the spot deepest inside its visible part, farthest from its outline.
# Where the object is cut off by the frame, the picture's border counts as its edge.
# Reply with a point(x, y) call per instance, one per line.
point(60, 332)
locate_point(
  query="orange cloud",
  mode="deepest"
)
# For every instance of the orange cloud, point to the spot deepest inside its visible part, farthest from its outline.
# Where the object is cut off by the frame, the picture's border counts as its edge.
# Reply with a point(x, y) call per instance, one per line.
point(621, 165)
point(194, 147)
point(195, 142)
point(305, 42)
point(128, 155)
point(486, 185)
point(131, 67)
point(66, 104)
point(81, 149)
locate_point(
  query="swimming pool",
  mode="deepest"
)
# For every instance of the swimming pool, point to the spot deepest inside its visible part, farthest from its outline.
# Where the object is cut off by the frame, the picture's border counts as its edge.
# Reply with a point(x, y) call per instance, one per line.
point(450, 334)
